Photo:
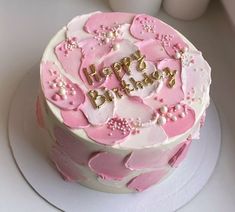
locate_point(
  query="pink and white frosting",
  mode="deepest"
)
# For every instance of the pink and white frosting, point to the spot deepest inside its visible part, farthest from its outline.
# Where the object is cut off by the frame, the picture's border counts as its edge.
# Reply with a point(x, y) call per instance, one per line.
point(134, 139)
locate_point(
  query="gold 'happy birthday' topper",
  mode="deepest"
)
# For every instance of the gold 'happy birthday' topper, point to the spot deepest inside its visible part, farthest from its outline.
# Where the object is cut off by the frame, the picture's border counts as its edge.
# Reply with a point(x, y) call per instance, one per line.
point(119, 69)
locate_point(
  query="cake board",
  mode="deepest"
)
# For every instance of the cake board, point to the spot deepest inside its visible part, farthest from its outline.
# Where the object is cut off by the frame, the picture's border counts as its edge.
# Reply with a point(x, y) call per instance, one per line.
point(29, 148)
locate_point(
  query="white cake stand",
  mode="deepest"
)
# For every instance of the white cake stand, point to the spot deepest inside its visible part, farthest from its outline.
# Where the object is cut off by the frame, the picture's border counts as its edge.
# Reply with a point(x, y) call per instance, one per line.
point(28, 144)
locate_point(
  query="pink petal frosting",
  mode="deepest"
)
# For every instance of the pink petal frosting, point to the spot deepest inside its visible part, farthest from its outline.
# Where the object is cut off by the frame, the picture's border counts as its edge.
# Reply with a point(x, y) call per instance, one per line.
point(181, 153)
point(138, 76)
point(69, 56)
point(73, 147)
point(68, 169)
point(135, 109)
point(145, 27)
point(126, 48)
point(106, 134)
point(107, 20)
point(182, 124)
point(74, 118)
point(195, 74)
point(93, 53)
point(144, 181)
point(173, 95)
point(148, 158)
point(50, 77)
point(108, 166)
point(152, 49)
point(102, 55)
point(75, 27)
point(98, 116)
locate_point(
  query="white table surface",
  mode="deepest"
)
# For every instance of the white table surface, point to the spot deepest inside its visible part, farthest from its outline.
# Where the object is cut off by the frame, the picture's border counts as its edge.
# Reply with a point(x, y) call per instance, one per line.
point(25, 29)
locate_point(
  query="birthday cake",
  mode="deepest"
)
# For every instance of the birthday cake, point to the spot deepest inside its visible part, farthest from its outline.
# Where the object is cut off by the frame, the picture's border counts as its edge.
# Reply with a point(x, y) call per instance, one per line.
point(122, 96)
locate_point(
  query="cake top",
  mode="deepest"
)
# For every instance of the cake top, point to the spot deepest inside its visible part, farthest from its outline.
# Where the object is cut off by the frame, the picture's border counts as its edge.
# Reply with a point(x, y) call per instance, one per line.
point(124, 80)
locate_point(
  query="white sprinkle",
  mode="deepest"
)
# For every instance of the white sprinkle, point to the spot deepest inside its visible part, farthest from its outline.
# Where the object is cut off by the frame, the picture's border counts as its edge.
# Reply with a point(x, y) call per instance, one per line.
point(116, 46)
point(109, 34)
point(62, 91)
point(169, 115)
point(177, 55)
point(73, 93)
point(60, 84)
point(174, 118)
point(164, 109)
point(161, 120)
point(182, 115)
point(178, 107)
point(106, 40)
point(185, 49)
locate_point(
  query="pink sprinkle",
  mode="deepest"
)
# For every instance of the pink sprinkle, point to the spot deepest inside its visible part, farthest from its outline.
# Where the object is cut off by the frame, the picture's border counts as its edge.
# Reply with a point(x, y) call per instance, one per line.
point(69, 85)
point(161, 100)
point(171, 110)
point(55, 97)
point(119, 124)
point(177, 46)
point(52, 86)
point(133, 132)
point(64, 97)
point(58, 79)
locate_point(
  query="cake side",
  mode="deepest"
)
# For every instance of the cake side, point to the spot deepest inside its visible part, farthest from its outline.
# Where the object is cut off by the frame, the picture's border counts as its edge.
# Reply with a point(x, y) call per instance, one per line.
point(141, 133)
